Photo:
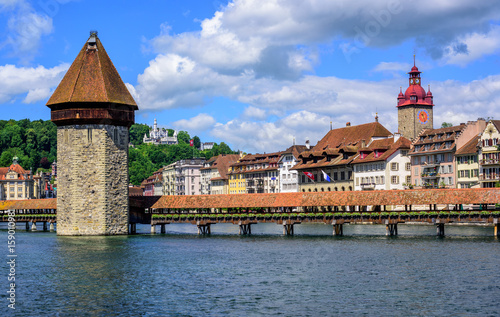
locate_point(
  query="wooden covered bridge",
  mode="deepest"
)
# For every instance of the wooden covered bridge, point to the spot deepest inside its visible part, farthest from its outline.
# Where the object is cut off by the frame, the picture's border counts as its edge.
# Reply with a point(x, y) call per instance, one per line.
point(435, 206)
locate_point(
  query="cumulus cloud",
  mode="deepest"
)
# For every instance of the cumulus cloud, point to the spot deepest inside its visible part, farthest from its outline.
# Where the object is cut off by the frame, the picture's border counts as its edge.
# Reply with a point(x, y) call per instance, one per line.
point(199, 123)
point(473, 46)
point(254, 113)
point(26, 27)
point(31, 83)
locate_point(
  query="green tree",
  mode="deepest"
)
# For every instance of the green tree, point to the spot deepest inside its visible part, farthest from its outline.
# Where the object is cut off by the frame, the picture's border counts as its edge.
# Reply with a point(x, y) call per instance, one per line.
point(446, 125)
point(196, 142)
point(137, 132)
point(183, 137)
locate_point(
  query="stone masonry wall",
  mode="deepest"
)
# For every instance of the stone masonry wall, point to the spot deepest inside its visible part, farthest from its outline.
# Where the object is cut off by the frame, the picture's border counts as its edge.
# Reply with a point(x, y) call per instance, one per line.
point(92, 180)
point(408, 124)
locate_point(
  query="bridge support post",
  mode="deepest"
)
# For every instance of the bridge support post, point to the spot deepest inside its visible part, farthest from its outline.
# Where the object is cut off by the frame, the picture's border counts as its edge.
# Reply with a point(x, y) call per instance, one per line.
point(204, 229)
point(287, 228)
point(27, 226)
point(33, 226)
point(245, 229)
point(45, 226)
point(440, 229)
point(495, 228)
point(133, 228)
point(391, 229)
point(338, 229)
point(162, 228)
point(153, 229)
point(51, 227)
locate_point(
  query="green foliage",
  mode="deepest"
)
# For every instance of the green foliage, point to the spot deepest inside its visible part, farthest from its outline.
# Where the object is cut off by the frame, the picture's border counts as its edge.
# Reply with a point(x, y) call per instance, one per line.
point(446, 125)
point(196, 142)
point(183, 137)
point(29, 141)
point(136, 133)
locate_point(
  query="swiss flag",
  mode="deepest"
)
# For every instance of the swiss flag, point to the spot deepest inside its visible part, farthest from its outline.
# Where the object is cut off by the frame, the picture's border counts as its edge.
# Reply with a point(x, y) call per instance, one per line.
point(191, 142)
point(309, 175)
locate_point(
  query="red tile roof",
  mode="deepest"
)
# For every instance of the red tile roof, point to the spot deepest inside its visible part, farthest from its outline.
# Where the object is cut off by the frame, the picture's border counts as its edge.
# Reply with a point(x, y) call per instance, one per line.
point(388, 146)
point(430, 137)
point(16, 168)
point(362, 198)
point(470, 147)
point(92, 78)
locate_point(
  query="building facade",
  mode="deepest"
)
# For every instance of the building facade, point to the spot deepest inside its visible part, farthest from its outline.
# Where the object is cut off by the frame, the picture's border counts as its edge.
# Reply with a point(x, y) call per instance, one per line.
point(159, 136)
point(333, 157)
point(415, 107)
point(467, 164)
point(489, 156)
point(289, 180)
point(169, 179)
point(16, 183)
point(183, 177)
point(255, 173)
point(383, 164)
point(214, 174)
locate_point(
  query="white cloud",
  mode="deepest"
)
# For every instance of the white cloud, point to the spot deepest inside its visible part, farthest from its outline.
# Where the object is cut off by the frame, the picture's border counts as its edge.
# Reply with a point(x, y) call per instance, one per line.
point(254, 113)
point(473, 46)
point(35, 82)
point(26, 27)
point(195, 124)
point(392, 67)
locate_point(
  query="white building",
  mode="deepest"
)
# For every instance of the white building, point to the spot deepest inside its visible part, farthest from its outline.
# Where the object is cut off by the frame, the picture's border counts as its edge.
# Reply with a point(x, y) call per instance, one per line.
point(160, 136)
point(289, 180)
point(188, 176)
point(383, 164)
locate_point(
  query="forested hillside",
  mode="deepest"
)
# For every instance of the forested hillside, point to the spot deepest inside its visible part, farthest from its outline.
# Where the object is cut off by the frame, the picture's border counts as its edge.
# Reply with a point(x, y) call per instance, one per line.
point(35, 144)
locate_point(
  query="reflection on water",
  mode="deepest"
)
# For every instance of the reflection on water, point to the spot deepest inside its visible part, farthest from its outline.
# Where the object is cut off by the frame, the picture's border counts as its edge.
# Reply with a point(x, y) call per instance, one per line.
point(310, 274)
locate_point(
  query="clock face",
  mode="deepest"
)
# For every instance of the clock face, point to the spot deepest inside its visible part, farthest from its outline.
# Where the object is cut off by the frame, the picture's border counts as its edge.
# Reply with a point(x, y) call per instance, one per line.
point(417, 80)
point(423, 116)
point(411, 81)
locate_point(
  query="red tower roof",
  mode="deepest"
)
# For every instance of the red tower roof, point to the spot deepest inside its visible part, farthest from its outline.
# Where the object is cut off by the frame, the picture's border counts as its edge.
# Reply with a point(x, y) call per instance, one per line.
point(415, 94)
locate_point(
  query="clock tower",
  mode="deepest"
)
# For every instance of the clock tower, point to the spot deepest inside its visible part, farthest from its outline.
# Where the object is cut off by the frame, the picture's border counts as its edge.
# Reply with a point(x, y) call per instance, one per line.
point(415, 107)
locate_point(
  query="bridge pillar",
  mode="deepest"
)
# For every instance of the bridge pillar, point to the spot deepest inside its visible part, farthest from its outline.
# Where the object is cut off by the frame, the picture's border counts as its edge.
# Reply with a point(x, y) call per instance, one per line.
point(27, 226)
point(440, 229)
point(51, 227)
point(391, 229)
point(45, 226)
point(133, 228)
point(338, 229)
point(495, 228)
point(162, 228)
point(153, 229)
point(33, 226)
point(204, 229)
point(245, 229)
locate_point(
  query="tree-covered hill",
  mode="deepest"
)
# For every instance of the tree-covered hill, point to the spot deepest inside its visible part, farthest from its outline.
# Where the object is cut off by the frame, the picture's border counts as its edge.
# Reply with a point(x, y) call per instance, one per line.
point(35, 144)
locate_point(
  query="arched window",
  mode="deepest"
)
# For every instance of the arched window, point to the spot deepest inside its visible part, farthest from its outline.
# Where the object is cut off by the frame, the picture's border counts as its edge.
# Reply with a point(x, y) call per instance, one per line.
point(329, 189)
point(343, 188)
point(322, 189)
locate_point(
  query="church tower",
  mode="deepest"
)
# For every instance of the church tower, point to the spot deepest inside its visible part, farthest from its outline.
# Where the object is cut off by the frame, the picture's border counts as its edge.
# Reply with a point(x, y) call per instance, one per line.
point(415, 107)
point(93, 111)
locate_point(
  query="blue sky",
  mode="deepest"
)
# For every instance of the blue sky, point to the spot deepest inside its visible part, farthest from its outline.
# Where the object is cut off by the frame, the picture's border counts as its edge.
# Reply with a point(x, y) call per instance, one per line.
point(257, 74)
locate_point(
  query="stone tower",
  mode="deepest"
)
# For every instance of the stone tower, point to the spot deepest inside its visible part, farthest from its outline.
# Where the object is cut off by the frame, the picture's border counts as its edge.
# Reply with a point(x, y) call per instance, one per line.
point(93, 111)
point(415, 107)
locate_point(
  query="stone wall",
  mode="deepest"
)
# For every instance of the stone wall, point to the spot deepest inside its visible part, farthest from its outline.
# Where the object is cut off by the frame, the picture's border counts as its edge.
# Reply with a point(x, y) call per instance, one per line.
point(408, 123)
point(92, 180)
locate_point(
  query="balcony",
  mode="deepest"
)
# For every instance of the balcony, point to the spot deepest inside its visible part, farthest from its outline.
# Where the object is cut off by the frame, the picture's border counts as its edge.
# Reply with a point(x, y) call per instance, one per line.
point(489, 177)
point(431, 164)
point(430, 175)
point(490, 162)
point(367, 186)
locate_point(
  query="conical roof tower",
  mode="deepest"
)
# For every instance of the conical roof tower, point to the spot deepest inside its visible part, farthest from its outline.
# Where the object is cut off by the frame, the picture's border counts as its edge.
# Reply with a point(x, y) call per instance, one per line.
point(92, 91)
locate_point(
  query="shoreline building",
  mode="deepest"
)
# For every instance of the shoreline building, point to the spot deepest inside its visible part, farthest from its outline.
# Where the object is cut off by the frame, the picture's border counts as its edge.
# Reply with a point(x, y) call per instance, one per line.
point(214, 174)
point(183, 177)
point(16, 183)
point(383, 164)
point(160, 136)
point(255, 173)
point(415, 107)
point(489, 174)
point(93, 111)
point(333, 156)
point(289, 179)
point(433, 154)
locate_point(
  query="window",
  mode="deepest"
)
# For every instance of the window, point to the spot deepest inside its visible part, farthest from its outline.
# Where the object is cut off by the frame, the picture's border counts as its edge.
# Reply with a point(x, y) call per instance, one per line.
point(408, 179)
point(416, 171)
point(335, 176)
point(394, 166)
point(394, 179)
point(357, 181)
point(408, 166)
point(342, 175)
point(450, 180)
point(450, 168)
point(404, 153)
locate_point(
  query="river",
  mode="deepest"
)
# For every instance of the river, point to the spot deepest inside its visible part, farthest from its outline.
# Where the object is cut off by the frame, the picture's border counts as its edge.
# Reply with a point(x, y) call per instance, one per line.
point(363, 273)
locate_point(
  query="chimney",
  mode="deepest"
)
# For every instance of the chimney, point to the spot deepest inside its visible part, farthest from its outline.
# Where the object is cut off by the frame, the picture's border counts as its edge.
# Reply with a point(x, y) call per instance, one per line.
point(396, 136)
point(348, 124)
point(308, 146)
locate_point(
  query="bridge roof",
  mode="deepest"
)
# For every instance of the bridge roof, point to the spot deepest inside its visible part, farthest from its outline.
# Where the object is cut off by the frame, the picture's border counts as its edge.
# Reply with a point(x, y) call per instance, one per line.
point(361, 198)
point(29, 204)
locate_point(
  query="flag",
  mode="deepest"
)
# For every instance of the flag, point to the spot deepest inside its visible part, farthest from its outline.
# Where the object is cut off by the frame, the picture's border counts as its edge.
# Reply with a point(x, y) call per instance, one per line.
point(325, 175)
point(309, 175)
point(191, 142)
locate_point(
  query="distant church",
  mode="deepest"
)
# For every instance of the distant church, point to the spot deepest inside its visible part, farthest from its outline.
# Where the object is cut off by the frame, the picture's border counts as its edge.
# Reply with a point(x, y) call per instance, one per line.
point(160, 136)
point(415, 107)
